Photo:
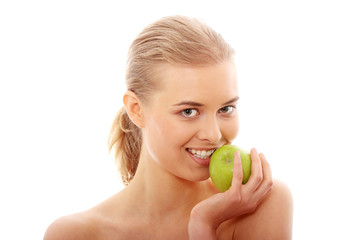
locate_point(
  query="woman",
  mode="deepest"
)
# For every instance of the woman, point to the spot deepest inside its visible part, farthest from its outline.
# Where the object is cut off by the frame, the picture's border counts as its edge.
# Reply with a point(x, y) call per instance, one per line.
point(180, 106)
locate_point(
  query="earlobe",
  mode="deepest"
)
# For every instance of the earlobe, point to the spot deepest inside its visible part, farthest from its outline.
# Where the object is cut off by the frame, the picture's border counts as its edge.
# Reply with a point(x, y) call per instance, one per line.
point(133, 108)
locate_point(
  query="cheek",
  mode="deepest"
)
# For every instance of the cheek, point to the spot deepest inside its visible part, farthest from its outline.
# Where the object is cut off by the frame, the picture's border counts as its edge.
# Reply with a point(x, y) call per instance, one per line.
point(164, 135)
point(231, 129)
point(167, 130)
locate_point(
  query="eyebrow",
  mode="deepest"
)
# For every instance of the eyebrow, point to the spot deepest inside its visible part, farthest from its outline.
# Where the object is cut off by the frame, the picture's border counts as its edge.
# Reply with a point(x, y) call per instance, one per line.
point(196, 104)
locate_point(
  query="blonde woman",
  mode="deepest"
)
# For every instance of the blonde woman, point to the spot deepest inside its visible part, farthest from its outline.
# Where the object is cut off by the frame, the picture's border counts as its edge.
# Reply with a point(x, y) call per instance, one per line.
point(179, 107)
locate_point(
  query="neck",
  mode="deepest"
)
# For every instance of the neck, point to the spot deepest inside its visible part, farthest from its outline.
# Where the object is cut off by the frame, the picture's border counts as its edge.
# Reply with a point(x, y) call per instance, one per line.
point(160, 193)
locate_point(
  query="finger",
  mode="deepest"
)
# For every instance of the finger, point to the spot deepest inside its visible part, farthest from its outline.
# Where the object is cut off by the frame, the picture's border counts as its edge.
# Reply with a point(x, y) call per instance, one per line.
point(237, 172)
point(266, 184)
point(266, 167)
point(256, 176)
point(259, 196)
point(267, 174)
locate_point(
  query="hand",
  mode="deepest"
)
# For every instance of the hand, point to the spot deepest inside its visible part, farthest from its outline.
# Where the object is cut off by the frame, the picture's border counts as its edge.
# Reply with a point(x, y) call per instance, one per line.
point(238, 200)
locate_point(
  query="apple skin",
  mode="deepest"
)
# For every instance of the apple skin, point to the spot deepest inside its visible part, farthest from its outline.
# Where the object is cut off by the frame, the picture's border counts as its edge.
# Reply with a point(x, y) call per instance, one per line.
point(222, 163)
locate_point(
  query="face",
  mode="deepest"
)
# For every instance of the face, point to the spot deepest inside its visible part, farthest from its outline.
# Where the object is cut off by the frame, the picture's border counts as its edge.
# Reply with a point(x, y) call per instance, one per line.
point(191, 114)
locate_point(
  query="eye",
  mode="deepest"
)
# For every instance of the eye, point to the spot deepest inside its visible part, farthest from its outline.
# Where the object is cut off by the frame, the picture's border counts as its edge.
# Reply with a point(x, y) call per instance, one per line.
point(227, 109)
point(190, 112)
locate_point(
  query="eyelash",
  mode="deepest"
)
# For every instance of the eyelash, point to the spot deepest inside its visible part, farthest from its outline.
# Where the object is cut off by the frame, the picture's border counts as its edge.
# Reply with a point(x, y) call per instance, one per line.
point(233, 107)
point(191, 109)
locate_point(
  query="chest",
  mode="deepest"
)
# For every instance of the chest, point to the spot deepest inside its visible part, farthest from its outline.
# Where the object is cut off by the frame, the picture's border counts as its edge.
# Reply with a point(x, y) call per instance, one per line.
point(136, 231)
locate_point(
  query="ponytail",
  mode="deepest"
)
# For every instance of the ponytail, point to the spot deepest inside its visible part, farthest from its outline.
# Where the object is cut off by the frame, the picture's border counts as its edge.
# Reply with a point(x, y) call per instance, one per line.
point(125, 141)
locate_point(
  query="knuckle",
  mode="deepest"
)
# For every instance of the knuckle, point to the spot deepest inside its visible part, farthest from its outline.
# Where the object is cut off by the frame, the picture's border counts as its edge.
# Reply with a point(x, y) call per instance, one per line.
point(269, 184)
point(236, 199)
point(251, 207)
point(258, 178)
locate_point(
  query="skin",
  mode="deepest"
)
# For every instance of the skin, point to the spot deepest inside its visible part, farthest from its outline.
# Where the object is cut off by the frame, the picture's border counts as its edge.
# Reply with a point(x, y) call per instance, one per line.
point(171, 196)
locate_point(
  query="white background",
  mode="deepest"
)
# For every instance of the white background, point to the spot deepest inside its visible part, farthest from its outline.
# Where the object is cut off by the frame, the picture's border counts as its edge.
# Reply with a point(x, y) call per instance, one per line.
point(62, 78)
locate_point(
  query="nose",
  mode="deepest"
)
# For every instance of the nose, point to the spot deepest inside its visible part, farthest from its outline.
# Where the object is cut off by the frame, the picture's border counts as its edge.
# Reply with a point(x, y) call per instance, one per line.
point(210, 130)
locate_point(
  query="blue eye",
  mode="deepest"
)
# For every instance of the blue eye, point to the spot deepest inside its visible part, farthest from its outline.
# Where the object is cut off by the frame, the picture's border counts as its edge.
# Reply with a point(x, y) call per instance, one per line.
point(189, 112)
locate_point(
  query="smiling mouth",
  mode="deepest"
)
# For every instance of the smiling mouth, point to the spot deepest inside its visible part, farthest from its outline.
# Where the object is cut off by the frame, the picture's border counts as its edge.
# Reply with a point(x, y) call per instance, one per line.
point(203, 154)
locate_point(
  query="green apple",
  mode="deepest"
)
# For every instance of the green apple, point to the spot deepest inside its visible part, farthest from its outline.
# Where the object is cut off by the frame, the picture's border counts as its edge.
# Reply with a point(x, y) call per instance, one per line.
point(222, 163)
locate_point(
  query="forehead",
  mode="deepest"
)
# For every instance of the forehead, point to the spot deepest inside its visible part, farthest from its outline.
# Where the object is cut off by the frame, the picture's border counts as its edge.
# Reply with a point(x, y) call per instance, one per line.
point(217, 82)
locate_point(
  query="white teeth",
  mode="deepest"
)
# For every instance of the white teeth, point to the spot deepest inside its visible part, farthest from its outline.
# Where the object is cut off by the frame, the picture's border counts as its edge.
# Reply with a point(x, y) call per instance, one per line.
point(201, 153)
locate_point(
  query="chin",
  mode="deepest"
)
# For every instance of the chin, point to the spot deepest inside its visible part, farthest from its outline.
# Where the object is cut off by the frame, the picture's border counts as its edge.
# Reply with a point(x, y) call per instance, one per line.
point(198, 177)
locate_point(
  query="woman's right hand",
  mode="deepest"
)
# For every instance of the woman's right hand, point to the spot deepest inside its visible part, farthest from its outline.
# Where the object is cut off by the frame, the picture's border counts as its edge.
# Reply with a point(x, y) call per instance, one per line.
point(238, 200)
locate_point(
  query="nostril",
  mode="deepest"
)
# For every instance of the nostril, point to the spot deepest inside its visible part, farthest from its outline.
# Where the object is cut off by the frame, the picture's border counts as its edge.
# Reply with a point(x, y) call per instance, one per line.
point(210, 131)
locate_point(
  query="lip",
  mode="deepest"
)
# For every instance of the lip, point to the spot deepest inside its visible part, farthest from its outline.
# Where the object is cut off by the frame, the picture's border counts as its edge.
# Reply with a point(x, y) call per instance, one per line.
point(203, 162)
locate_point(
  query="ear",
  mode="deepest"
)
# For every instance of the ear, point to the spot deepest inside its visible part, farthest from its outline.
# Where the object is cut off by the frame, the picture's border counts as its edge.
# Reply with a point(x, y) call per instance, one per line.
point(133, 108)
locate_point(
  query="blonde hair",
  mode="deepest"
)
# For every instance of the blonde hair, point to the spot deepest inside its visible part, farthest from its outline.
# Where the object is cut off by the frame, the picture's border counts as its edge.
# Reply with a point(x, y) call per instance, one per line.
point(176, 40)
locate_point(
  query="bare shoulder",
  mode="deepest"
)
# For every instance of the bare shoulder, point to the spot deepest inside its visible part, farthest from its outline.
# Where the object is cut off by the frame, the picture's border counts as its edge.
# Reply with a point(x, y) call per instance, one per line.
point(76, 226)
point(272, 219)
point(103, 221)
